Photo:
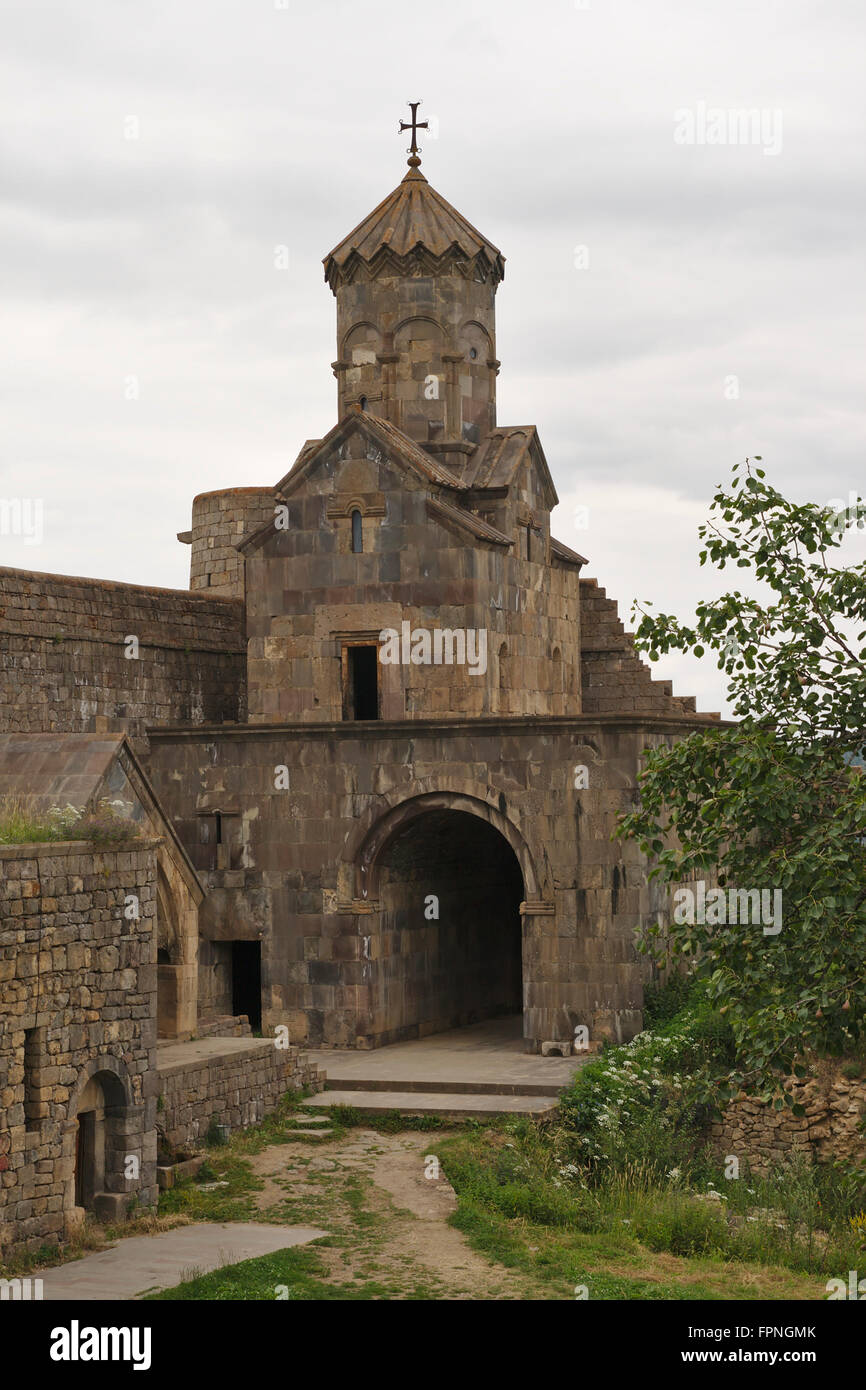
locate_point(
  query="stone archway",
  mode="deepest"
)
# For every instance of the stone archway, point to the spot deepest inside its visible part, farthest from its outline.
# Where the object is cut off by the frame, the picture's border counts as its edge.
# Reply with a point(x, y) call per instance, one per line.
point(443, 884)
point(377, 828)
point(103, 1135)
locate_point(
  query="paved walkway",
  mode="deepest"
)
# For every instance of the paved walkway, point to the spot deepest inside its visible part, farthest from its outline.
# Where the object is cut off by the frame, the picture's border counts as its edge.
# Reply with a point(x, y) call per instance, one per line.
point(486, 1057)
point(171, 1055)
point(143, 1264)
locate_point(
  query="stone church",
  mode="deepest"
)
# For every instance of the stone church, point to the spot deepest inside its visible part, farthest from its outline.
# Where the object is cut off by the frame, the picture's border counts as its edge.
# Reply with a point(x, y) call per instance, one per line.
point(387, 731)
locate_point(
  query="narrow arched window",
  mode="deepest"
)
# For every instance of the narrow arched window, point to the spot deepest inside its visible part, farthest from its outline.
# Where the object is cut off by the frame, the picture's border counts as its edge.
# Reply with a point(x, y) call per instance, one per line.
point(357, 532)
point(363, 402)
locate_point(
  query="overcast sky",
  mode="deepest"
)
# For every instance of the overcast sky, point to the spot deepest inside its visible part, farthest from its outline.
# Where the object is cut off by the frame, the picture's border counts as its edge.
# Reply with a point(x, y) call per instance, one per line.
point(670, 305)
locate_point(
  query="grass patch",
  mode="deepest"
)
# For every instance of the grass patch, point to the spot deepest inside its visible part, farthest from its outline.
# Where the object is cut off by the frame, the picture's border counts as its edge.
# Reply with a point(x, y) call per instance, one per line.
point(627, 1239)
point(296, 1275)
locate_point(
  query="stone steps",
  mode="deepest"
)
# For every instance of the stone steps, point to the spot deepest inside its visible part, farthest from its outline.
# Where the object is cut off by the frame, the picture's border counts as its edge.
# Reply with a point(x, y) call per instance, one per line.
point(450, 1087)
point(455, 1104)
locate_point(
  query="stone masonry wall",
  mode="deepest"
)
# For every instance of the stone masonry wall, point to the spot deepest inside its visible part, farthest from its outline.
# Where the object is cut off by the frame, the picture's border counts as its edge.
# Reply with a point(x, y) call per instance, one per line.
point(219, 521)
point(832, 1128)
point(237, 1088)
point(63, 666)
point(613, 677)
point(300, 848)
point(78, 983)
point(308, 595)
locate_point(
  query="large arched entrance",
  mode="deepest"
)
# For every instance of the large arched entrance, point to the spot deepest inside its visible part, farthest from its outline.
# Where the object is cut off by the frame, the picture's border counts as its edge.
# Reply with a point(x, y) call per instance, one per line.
point(449, 889)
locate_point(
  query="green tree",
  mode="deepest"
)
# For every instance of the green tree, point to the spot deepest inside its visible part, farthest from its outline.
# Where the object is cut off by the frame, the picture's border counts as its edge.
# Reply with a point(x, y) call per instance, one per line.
point(775, 802)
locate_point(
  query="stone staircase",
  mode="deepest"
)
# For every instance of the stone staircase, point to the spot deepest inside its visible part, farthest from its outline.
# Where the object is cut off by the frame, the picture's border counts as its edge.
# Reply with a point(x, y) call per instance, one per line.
point(473, 1072)
point(454, 1105)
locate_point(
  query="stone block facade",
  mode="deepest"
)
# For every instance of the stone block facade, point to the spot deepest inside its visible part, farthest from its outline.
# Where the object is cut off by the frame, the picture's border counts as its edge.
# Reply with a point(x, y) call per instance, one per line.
point(833, 1127)
point(233, 1088)
point(340, 833)
point(390, 725)
point(77, 1036)
point(63, 666)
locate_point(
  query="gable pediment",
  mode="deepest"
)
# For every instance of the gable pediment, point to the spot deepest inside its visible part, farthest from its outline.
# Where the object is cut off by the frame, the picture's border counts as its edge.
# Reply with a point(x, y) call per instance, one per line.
point(362, 437)
point(353, 453)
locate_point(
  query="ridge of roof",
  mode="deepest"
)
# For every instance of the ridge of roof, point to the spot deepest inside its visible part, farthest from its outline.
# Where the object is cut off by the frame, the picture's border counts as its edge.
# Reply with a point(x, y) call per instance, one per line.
point(501, 452)
point(385, 433)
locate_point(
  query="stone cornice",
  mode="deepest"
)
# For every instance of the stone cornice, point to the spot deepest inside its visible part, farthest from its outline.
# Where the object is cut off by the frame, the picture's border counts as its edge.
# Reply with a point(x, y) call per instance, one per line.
point(508, 725)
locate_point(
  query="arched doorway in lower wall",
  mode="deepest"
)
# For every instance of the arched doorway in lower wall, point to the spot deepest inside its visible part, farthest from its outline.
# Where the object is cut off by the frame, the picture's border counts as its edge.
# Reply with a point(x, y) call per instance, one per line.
point(450, 951)
point(98, 1144)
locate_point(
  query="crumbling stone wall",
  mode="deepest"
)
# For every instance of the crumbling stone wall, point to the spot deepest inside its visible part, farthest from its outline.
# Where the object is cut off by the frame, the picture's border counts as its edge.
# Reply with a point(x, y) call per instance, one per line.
point(613, 677)
point(234, 1088)
point(63, 666)
point(832, 1127)
point(78, 980)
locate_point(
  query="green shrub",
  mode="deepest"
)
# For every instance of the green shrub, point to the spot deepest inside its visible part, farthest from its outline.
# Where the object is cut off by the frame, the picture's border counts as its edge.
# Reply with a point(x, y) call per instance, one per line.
point(661, 1003)
point(683, 1225)
point(21, 823)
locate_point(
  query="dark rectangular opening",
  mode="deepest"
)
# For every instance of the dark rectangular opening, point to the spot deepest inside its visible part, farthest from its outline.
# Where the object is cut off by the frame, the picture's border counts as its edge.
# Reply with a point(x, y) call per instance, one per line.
point(247, 981)
point(361, 682)
point(32, 1078)
point(85, 1159)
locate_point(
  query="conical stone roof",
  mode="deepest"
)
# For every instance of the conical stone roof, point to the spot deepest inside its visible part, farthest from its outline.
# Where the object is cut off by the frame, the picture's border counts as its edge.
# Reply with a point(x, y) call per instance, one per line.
point(414, 231)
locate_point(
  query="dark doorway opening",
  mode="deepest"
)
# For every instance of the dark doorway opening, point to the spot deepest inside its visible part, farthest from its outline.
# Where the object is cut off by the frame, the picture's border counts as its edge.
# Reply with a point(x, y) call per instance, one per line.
point(451, 889)
point(247, 981)
point(85, 1159)
point(361, 682)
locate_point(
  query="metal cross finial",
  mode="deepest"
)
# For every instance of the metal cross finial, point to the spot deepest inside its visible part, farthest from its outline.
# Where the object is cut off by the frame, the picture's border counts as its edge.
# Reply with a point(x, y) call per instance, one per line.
point(414, 125)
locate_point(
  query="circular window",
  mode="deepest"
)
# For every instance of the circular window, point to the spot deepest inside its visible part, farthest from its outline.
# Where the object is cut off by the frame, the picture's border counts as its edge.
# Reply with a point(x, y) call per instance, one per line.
point(473, 353)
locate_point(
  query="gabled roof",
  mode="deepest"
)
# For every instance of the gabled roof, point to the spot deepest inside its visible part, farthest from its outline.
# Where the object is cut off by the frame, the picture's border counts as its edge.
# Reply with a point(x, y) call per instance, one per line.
point(46, 770)
point(412, 222)
point(468, 521)
point(380, 434)
point(501, 454)
point(566, 554)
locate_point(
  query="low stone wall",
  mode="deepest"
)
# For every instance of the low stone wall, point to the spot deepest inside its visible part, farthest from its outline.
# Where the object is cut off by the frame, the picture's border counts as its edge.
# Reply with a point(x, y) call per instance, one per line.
point(77, 1036)
point(237, 1087)
point(832, 1127)
point(226, 1026)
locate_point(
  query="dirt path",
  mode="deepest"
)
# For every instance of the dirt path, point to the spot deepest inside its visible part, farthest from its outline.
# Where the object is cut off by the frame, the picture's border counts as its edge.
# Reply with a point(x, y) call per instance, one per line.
point(386, 1208)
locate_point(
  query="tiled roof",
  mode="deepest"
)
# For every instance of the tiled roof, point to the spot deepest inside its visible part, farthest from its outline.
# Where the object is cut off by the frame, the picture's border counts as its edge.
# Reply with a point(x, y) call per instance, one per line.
point(411, 219)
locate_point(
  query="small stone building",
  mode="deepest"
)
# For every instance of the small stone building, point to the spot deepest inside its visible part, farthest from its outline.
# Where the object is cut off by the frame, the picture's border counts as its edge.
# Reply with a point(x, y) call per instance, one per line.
point(391, 723)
